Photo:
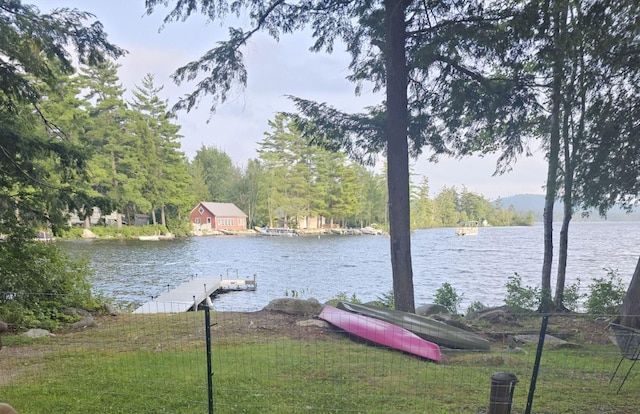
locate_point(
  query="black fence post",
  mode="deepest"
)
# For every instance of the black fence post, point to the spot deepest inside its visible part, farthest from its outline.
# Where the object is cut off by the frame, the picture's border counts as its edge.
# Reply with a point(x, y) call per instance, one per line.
point(207, 329)
point(536, 366)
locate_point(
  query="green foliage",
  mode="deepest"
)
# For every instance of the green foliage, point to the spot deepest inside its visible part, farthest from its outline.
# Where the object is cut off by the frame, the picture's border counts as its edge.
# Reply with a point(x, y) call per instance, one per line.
point(71, 233)
point(343, 297)
point(301, 181)
point(606, 294)
point(447, 296)
point(219, 174)
point(40, 46)
point(572, 296)
point(129, 232)
point(476, 306)
point(521, 298)
point(450, 207)
point(38, 282)
point(164, 175)
point(179, 227)
point(422, 214)
point(41, 165)
point(387, 300)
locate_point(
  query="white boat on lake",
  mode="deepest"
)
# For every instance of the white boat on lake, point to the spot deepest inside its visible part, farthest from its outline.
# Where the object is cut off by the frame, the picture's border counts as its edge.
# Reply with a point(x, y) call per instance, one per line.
point(468, 228)
point(276, 231)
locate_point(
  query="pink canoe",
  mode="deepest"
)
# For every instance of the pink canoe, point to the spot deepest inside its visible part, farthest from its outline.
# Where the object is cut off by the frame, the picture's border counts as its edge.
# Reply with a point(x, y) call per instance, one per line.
point(381, 332)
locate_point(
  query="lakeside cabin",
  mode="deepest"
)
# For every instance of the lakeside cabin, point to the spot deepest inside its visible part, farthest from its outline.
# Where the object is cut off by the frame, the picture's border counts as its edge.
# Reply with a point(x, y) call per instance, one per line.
point(222, 217)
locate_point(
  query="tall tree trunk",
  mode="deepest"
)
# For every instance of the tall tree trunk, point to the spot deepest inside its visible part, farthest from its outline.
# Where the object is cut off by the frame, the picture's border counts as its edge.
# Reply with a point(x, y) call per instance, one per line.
point(153, 215)
point(270, 211)
point(562, 259)
point(398, 154)
point(163, 216)
point(552, 172)
point(115, 189)
point(568, 209)
point(631, 303)
point(87, 218)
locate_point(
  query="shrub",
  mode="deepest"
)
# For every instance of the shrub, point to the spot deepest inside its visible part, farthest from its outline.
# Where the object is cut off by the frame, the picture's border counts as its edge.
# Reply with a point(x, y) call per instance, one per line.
point(72, 233)
point(387, 300)
point(447, 296)
point(522, 298)
point(180, 228)
point(38, 282)
point(606, 294)
point(475, 307)
point(572, 296)
point(342, 297)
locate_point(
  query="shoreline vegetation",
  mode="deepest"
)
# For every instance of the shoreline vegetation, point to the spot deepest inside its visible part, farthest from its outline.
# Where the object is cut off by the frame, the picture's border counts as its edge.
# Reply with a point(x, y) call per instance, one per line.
point(158, 232)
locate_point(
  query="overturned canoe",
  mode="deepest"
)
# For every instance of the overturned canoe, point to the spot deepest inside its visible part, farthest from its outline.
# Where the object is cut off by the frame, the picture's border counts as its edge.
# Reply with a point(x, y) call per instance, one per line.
point(381, 333)
point(426, 328)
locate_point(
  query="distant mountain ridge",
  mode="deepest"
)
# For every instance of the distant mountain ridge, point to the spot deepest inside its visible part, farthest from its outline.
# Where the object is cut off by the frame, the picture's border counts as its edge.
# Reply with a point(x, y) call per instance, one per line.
point(523, 203)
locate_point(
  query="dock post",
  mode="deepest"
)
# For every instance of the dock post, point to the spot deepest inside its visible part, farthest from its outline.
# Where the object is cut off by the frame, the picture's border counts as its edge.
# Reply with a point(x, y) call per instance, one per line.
point(195, 304)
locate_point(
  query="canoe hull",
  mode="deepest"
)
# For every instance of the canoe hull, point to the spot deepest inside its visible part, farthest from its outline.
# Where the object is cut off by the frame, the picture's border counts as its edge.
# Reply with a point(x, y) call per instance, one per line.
point(381, 333)
point(426, 328)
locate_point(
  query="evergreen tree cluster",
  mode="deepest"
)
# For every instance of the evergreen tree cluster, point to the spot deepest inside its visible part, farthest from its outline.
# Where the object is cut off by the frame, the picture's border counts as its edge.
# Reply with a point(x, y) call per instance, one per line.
point(41, 165)
point(451, 207)
point(293, 182)
point(134, 161)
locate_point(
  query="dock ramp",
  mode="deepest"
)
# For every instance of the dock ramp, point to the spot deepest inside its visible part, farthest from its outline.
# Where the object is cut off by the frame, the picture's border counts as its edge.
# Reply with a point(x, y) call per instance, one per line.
point(189, 295)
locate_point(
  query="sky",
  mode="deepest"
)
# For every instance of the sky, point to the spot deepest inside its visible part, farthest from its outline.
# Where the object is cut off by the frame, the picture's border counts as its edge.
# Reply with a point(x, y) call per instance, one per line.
point(275, 70)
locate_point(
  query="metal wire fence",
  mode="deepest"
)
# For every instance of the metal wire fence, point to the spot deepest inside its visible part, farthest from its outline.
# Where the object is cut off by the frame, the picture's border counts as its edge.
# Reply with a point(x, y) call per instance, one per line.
point(271, 362)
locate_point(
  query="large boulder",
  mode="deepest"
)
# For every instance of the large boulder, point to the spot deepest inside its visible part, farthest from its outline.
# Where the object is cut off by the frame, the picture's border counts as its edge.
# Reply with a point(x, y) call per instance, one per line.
point(86, 319)
point(431, 309)
point(498, 315)
point(88, 234)
point(111, 310)
point(76, 312)
point(37, 333)
point(294, 306)
point(549, 341)
point(313, 322)
point(85, 322)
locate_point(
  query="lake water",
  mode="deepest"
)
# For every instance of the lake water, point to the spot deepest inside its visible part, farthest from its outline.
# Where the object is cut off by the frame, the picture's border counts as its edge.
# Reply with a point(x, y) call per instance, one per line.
point(478, 267)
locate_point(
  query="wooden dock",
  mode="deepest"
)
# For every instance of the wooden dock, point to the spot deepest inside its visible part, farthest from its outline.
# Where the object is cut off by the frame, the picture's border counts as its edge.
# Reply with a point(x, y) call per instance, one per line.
point(191, 294)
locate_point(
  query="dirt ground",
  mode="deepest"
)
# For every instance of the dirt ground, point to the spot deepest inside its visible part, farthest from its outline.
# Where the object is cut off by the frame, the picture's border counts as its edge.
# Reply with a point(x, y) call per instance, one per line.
point(267, 323)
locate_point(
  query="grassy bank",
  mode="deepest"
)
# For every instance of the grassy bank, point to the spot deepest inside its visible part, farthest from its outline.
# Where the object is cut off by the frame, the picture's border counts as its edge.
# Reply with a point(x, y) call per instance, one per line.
point(264, 362)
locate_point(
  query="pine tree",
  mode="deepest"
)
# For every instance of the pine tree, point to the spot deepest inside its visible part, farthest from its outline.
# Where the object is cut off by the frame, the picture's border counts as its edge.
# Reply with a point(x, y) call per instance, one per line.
point(163, 164)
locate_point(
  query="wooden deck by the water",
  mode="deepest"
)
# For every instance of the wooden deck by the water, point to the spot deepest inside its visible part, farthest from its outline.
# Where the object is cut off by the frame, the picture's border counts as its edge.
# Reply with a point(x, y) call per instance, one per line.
point(191, 294)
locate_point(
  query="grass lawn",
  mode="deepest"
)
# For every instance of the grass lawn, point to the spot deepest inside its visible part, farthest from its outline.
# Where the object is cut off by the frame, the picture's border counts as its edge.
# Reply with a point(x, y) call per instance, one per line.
point(265, 363)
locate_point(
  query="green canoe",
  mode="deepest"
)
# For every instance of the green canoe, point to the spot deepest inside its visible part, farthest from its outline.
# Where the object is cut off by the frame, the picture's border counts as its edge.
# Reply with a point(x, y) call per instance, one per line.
point(426, 328)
